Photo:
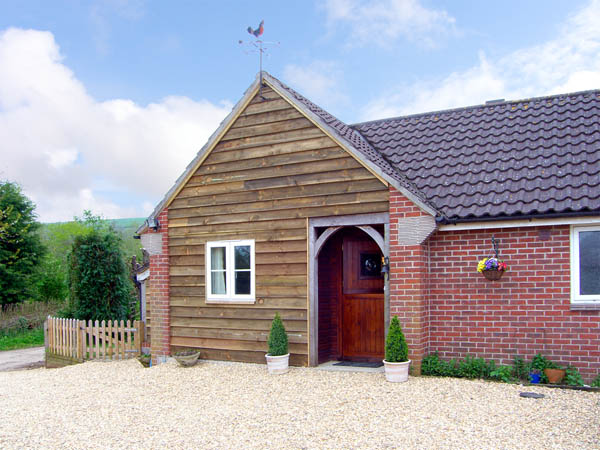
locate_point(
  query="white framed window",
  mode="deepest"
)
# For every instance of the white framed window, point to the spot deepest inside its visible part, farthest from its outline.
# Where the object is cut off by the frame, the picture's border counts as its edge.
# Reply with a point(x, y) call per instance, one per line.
point(230, 272)
point(585, 264)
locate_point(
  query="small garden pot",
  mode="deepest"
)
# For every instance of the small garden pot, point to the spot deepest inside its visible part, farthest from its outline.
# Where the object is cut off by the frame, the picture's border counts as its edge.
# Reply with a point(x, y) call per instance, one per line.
point(535, 378)
point(554, 376)
point(187, 358)
point(396, 372)
point(145, 360)
point(278, 365)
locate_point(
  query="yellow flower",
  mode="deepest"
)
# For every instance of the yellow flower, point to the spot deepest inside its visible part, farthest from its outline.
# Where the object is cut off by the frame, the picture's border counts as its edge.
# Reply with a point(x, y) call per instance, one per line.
point(481, 265)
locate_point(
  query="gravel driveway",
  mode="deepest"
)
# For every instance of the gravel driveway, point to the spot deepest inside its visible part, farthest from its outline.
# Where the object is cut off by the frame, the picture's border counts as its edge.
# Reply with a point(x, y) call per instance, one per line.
point(230, 405)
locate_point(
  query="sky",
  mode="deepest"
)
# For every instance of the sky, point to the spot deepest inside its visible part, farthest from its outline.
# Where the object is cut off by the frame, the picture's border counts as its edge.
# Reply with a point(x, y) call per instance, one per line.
point(103, 103)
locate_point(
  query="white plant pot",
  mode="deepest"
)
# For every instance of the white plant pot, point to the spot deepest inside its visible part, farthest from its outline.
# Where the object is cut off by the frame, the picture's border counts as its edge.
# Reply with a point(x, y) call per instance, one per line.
point(396, 372)
point(277, 365)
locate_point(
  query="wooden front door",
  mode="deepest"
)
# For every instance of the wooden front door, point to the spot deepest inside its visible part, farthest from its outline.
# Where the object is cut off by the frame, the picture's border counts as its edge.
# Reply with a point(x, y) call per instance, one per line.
point(362, 326)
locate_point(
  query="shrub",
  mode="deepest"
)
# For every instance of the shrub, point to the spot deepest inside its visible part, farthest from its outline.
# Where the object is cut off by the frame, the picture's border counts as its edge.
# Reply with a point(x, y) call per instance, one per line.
point(433, 365)
point(572, 377)
point(519, 370)
point(278, 340)
point(502, 373)
point(396, 349)
point(471, 367)
point(596, 382)
point(99, 284)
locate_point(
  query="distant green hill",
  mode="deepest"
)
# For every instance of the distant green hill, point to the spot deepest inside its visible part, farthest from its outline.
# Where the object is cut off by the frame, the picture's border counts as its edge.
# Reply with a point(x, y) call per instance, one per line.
point(58, 236)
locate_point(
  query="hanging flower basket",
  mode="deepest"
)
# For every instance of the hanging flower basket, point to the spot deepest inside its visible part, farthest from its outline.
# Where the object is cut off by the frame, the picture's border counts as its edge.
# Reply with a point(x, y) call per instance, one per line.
point(493, 267)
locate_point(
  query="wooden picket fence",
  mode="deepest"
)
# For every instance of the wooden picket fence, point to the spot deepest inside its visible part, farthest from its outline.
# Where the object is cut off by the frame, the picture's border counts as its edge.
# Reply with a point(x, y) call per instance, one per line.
point(70, 341)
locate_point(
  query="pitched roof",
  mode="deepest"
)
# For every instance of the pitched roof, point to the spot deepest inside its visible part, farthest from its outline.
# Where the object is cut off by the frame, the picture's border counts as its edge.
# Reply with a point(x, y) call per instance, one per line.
point(533, 157)
point(539, 156)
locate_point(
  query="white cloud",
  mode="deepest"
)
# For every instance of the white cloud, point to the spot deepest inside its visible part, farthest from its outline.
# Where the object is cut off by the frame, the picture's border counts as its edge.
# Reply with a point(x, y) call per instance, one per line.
point(384, 21)
point(320, 81)
point(569, 62)
point(71, 152)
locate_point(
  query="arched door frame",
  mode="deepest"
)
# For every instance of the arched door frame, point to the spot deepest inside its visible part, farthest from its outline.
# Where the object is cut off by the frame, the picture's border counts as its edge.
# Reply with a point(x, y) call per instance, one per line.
point(315, 244)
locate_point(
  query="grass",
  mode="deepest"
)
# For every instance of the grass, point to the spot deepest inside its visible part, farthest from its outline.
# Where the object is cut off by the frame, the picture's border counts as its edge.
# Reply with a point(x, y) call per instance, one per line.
point(22, 339)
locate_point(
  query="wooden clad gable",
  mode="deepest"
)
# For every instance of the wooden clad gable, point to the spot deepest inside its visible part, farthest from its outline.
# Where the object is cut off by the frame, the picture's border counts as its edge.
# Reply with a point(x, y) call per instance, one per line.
point(271, 171)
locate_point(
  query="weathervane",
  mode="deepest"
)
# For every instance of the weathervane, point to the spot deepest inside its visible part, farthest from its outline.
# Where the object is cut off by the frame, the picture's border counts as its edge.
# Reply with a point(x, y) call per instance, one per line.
point(259, 47)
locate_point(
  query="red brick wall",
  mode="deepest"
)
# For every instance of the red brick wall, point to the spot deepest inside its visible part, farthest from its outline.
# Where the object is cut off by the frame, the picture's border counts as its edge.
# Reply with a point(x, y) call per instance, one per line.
point(158, 295)
point(526, 312)
point(408, 281)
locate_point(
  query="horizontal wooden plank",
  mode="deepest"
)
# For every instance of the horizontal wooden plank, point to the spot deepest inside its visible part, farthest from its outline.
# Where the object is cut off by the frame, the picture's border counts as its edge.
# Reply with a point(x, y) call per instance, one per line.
point(220, 228)
point(261, 269)
point(237, 324)
point(194, 276)
point(359, 173)
point(262, 151)
point(267, 128)
point(296, 234)
point(302, 192)
point(297, 157)
point(261, 291)
point(268, 139)
point(284, 257)
point(238, 312)
point(269, 207)
point(240, 335)
point(276, 303)
point(261, 107)
point(226, 344)
point(232, 355)
point(267, 117)
point(277, 182)
point(341, 163)
point(259, 247)
point(372, 202)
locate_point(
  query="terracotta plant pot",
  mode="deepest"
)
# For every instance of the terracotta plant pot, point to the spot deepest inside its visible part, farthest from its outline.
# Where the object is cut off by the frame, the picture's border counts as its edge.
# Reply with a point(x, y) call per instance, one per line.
point(554, 376)
point(187, 358)
point(493, 274)
point(396, 372)
point(278, 365)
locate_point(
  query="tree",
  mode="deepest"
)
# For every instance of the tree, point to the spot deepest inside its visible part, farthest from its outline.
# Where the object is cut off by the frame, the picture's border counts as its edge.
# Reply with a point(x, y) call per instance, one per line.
point(20, 245)
point(99, 284)
point(396, 349)
point(278, 340)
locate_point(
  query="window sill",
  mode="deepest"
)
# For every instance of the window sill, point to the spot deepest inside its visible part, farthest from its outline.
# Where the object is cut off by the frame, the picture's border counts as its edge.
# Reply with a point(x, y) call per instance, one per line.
point(585, 306)
point(231, 301)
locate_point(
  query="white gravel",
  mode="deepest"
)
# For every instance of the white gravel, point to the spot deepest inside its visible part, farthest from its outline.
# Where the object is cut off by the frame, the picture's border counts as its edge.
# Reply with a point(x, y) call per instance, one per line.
point(222, 406)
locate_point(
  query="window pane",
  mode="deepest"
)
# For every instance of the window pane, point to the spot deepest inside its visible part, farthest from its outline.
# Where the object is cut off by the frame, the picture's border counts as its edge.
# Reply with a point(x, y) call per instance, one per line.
point(218, 284)
point(217, 258)
point(242, 283)
point(242, 256)
point(589, 262)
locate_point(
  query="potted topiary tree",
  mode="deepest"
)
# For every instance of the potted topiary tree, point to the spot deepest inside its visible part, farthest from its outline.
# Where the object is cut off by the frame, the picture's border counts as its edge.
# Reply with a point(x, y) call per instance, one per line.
point(278, 356)
point(396, 360)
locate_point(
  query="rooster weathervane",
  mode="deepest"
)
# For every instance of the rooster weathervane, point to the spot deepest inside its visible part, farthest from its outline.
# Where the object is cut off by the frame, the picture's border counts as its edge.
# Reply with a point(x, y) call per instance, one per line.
point(259, 47)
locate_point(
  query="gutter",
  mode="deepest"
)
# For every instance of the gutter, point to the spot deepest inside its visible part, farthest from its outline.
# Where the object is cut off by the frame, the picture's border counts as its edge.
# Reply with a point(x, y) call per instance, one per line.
point(442, 220)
